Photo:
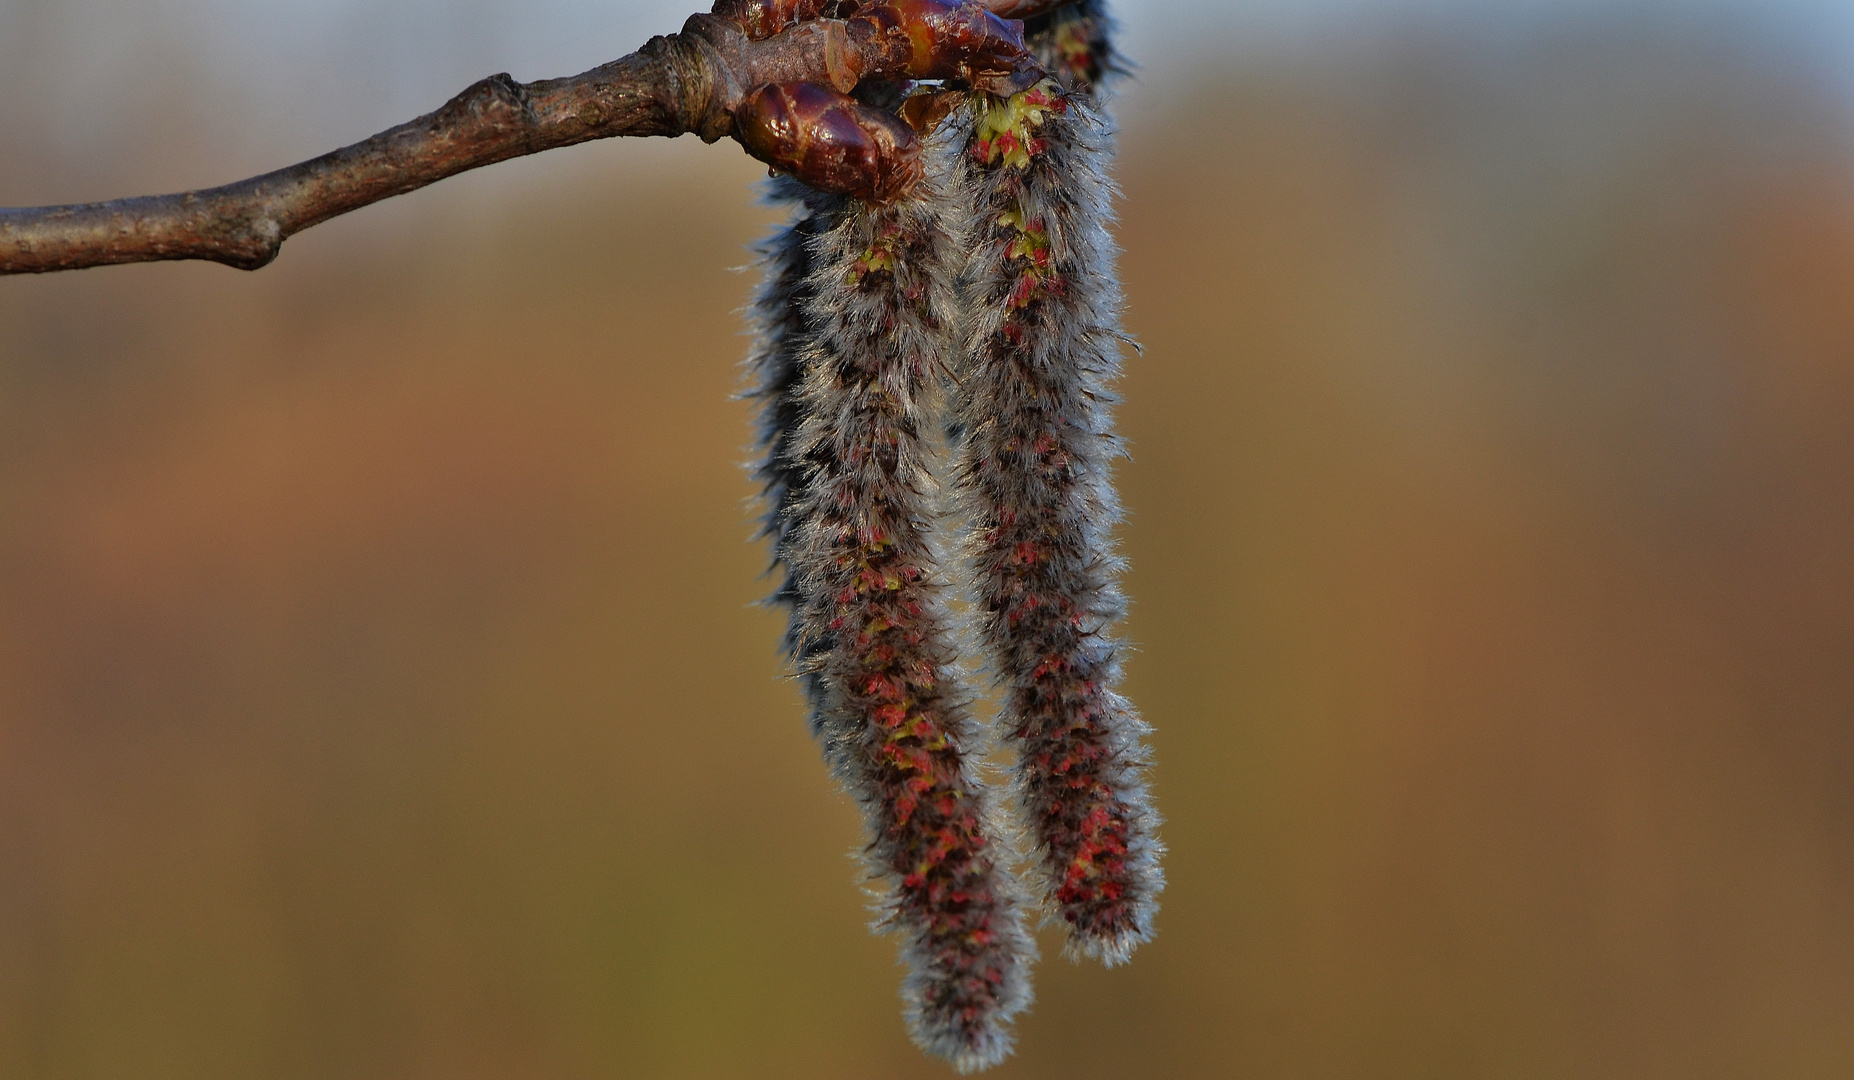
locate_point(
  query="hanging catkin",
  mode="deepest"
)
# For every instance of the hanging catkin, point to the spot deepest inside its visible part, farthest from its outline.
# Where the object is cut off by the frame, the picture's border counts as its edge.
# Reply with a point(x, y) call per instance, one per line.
point(857, 324)
point(1034, 404)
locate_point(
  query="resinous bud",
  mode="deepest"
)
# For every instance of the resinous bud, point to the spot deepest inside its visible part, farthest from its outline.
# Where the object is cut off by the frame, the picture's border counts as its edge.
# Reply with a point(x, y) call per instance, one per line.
point(1023, 9)
point(764, 18)
point(953, 39)
point(829, 140)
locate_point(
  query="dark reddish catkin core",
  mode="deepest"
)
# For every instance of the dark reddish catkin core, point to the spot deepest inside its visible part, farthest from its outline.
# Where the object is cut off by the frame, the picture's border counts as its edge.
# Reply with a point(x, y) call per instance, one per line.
point(851, 366)
point(1040, 356)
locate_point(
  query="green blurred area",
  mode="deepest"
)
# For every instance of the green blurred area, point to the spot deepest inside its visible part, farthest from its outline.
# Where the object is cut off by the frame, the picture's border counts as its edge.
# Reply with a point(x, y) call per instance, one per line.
point(381, 693)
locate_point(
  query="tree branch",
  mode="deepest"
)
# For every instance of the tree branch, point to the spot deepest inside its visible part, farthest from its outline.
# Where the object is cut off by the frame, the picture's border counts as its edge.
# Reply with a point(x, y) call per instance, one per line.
point(686, 82)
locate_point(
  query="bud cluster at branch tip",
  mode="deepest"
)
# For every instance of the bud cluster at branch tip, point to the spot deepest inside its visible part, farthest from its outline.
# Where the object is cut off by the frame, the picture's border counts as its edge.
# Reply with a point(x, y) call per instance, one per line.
point(833, 143)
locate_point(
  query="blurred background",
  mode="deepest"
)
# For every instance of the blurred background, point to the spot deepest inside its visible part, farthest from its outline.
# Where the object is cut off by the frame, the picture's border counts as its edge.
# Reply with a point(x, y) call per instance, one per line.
point(381, 693)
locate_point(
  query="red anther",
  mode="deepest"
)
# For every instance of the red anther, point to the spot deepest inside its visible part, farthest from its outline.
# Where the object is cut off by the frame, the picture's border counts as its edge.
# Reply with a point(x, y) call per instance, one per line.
point(951, 39)
point(829, 141)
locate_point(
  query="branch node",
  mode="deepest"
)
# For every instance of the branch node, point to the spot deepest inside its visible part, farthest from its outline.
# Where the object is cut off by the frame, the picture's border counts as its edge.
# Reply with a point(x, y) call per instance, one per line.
point(714, 50)
point(253, 245)
point(497, 99)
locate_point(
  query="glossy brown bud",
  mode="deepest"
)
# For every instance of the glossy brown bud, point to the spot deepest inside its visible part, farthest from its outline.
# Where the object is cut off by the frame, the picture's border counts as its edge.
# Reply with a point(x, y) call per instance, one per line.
point(829, 141)
point(764, 18)
point(926, 107)
point(951, 39)
point(1024, 9)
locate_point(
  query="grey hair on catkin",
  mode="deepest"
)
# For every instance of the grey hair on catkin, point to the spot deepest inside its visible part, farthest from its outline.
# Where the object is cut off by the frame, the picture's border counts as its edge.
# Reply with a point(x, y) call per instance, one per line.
point(1034, 410)
point(857, 324)
point(773, 370)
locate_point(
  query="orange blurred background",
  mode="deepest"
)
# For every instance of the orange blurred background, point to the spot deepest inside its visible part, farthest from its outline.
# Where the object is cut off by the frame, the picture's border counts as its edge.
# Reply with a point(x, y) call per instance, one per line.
point(381, 693)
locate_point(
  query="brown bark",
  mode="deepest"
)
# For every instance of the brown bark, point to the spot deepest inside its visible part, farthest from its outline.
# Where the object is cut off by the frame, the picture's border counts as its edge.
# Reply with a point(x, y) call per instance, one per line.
point(686, 82)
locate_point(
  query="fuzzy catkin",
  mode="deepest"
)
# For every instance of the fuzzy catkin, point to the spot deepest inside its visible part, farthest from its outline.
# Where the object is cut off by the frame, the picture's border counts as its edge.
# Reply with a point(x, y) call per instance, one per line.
point(1075, 44)
point(1034, 406)
point(776, 319)
point(857, 324)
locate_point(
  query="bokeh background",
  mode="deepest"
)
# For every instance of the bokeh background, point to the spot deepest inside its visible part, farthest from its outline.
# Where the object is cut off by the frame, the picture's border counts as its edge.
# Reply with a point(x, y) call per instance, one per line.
point(381, 694)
